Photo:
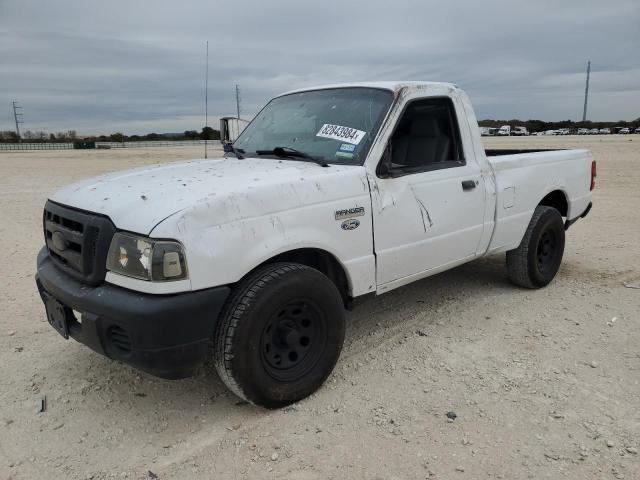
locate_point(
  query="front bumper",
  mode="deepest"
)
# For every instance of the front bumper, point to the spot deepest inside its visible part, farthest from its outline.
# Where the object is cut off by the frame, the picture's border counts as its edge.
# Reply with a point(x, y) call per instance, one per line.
point(165, 335)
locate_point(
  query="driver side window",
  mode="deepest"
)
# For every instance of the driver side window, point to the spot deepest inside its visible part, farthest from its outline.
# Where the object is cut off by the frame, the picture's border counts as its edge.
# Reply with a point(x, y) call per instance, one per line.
point(426, 138)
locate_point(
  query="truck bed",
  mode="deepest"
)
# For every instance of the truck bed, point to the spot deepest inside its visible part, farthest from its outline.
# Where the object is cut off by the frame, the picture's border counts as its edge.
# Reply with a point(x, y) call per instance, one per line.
point(524, 177)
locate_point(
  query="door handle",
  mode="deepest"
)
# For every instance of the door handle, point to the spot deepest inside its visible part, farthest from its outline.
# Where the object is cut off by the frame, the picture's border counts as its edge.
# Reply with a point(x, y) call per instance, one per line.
point(468, 185)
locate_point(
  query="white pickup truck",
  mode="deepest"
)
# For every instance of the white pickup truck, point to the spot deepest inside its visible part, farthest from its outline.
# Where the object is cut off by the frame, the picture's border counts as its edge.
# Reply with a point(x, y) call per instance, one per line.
point(331, 194)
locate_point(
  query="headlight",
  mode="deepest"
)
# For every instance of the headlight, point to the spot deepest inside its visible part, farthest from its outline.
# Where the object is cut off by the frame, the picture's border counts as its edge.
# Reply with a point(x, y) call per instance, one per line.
point(146, 259)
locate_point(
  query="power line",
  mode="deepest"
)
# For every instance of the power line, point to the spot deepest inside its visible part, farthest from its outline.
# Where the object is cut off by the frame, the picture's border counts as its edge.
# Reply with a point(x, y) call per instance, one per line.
point(206, 102)
point(16, 114)
point(586, 93)
point(237, 101)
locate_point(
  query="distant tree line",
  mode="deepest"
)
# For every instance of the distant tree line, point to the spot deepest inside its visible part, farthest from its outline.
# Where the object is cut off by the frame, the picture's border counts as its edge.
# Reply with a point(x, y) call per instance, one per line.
point(29, 136)
point(10, 136)
point(541, 126)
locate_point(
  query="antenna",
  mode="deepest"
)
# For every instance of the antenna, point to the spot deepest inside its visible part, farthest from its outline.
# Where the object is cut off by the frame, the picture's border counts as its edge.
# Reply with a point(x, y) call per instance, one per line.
point(16, 114)
point(237, 101)
point(586, 93)
point(206, 102)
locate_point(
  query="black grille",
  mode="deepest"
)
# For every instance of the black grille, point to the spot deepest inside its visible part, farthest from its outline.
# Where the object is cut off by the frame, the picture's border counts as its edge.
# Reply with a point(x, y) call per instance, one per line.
point(120, 339)
point(78, 241)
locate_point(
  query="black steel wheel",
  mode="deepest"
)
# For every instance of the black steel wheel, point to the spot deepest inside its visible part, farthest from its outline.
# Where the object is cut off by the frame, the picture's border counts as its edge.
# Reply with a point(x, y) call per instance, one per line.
point(546, 251)
point(279, 335)
point(293, 339)
point(538, 257)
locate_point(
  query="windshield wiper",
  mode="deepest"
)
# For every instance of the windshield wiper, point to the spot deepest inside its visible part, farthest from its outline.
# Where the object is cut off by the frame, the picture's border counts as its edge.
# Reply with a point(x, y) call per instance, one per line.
point(285, 152)
point(236, 151)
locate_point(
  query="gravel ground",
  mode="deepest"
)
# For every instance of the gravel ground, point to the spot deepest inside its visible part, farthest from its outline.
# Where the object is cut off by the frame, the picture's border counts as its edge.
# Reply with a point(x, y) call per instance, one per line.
point(545, 383)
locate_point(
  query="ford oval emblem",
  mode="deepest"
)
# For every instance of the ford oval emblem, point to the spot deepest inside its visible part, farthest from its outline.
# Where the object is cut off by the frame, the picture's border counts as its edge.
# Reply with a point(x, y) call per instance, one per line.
point(350, 224)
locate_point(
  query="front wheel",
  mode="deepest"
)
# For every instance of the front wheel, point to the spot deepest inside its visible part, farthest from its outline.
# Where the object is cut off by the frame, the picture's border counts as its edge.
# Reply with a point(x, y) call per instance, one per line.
point(280, 334)
point(537, 259)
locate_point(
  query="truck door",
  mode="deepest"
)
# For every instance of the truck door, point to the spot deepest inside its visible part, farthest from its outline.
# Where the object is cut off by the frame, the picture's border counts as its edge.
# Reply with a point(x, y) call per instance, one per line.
point(428, 207)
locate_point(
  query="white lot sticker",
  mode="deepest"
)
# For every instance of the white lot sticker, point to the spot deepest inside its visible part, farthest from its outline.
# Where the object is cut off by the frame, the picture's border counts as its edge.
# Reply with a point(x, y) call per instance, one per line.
point(344, 134)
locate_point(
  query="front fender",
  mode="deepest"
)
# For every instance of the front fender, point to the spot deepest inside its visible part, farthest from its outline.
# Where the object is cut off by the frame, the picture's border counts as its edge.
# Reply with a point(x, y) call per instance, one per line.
point(223, 254)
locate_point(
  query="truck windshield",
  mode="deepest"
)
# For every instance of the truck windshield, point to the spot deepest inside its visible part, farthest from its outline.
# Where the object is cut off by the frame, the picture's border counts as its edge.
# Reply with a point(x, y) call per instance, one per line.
point(335, 125)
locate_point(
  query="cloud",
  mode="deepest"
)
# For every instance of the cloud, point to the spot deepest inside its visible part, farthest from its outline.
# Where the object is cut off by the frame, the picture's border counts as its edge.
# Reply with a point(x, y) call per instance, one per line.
point(136, 66)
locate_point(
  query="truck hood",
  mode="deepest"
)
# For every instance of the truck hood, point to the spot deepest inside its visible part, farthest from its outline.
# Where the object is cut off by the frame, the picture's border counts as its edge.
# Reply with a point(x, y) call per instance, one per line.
point(224, 189)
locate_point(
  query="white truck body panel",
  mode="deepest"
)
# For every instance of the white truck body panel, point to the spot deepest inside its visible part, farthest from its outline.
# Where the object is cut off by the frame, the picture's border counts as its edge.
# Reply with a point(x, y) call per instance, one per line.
point(425, 221)
point(231, 215)
point(522, 180)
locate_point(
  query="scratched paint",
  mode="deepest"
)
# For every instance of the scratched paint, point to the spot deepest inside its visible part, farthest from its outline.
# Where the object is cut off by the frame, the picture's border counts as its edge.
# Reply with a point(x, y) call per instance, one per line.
point(232, 214)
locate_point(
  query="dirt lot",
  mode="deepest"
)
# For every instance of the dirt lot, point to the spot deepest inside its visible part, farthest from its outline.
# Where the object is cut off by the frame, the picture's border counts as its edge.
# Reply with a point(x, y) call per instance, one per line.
point(545, 383)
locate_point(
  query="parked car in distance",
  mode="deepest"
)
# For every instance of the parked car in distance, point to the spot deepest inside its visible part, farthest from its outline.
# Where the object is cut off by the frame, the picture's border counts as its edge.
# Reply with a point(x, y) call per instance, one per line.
point(605, 131)
point(519, 131)
point(594, 131)
point(626, 131)
point(504, 131)
point(488, 131)
point(583, 131)
point(637, 130)
point(331, 195)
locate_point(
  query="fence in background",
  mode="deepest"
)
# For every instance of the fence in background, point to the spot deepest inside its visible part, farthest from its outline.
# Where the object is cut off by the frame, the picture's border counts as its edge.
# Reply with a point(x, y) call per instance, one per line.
point(36, 146)
point(148, 144)
point(158, 143)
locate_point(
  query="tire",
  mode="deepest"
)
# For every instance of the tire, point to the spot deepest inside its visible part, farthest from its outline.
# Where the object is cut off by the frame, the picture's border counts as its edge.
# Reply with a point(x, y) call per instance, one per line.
point(537, 260)
point(279, 335)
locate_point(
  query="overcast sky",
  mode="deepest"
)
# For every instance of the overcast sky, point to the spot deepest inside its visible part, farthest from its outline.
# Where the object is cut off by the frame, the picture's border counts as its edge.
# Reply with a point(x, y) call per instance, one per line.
point(138, 66)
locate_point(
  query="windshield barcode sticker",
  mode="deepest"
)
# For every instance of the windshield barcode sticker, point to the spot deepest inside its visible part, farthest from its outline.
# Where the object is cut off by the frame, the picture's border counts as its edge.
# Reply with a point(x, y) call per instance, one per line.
point(344, 134)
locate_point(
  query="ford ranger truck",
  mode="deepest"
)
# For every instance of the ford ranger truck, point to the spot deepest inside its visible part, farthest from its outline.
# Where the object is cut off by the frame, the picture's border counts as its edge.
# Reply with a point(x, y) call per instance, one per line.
point(330, 195)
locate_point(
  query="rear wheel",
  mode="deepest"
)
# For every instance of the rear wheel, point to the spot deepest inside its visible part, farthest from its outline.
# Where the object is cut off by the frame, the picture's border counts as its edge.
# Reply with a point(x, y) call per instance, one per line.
point(537, 259)
point(280, 334)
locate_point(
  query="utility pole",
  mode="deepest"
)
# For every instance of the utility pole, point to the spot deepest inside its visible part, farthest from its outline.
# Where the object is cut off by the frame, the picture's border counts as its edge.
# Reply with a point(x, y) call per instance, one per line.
point(586, 93)
point(16, 114)
point(206, 102)
point(238, 101)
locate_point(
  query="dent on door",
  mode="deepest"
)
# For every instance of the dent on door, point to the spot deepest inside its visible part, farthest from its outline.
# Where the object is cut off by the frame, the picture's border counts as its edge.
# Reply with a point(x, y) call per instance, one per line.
point(425, 216)
point(426, 220)
point(401, 193)
point(430, 214)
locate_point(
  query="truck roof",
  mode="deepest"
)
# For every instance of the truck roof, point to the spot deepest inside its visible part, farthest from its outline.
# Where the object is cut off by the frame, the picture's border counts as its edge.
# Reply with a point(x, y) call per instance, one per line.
point(394, 86)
